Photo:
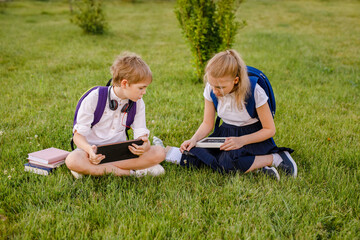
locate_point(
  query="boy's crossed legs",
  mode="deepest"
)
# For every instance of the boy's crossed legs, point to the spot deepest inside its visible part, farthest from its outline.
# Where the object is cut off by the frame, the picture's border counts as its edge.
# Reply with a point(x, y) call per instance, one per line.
point(78, 161)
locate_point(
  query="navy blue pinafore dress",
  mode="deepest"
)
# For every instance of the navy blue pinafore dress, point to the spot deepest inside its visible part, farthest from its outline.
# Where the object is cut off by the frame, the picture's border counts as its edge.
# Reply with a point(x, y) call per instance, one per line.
point(234, 160)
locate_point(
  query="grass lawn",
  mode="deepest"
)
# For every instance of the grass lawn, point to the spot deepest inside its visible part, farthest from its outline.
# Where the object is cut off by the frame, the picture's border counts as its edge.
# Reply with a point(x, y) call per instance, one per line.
point(310, 51)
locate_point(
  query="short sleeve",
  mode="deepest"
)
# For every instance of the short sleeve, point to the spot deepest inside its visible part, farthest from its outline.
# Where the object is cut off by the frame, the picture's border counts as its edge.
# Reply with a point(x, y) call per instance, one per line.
point(139, 124)
point(260, 96)
point(207, 91)
point(85, 114)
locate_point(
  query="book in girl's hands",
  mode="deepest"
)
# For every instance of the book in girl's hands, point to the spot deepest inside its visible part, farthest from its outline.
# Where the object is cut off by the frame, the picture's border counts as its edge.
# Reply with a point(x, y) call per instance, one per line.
point(118, 151)
point(211, 142)
point(48, 156)
point(41, 170)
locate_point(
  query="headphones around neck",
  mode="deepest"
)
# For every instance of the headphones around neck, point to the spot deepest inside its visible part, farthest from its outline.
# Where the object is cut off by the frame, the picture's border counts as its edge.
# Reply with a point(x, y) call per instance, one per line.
point(113, 104)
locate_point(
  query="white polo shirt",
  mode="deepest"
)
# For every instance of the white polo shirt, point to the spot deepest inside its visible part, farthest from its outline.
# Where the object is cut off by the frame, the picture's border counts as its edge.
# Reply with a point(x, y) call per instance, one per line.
point(228, 111)
point(111, 127)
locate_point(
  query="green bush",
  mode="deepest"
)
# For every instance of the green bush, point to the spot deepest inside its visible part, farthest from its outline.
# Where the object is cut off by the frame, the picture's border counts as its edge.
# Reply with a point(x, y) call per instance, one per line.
point(88, 15)
point(3, 6)
point(209, 26)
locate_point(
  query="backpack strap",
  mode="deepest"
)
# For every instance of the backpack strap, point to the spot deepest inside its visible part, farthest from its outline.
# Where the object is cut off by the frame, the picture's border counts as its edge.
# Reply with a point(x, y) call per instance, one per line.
point(109, 82)
point(215, 101)
point(99, 110)
point(130, 117)
point(100, 107)
point(214, 98)
point(250, 99)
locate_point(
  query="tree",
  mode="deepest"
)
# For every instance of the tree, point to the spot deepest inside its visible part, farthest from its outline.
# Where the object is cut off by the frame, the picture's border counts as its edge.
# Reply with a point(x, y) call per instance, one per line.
point(209, 26)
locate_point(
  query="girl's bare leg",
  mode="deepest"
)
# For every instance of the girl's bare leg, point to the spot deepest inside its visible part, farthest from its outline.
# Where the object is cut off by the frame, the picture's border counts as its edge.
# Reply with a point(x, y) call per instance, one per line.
point(260, 162)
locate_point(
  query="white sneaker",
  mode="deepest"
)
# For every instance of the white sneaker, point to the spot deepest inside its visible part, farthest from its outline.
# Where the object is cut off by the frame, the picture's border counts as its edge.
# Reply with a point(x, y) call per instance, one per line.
point(156, 170)
point(76, 174)
point(288, 164)
point(158, 142)
point(271, 172)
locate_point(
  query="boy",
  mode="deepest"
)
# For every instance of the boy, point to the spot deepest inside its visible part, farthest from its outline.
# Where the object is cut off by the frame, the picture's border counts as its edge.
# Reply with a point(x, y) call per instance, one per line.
point(131, 77)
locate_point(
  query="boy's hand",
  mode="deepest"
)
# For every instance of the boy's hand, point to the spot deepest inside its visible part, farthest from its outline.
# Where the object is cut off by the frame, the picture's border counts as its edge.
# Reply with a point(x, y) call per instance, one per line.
point(140, 150)
point(187, 145)
point(232, 143)
point(93, 157)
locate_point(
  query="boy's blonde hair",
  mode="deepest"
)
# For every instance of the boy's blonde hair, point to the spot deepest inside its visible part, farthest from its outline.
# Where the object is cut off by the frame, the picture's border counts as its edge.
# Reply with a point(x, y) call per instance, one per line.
point(230, 64)
point(131, 67)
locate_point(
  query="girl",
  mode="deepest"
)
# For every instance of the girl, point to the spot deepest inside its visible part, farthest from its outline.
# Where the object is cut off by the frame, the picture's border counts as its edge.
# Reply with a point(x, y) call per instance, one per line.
point(249, 144)
point(131, 77)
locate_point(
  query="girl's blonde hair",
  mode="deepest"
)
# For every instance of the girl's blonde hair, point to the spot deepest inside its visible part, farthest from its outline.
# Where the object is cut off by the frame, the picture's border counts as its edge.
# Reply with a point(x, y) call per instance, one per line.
point(131, 67)
point(230, 64)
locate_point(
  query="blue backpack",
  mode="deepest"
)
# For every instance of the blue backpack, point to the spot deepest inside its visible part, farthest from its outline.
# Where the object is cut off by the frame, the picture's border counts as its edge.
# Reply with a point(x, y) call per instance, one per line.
point(100, 107)
point(256, 77)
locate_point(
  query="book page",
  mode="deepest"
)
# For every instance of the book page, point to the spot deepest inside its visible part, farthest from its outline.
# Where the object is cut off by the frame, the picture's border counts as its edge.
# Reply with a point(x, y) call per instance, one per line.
point(213, 140)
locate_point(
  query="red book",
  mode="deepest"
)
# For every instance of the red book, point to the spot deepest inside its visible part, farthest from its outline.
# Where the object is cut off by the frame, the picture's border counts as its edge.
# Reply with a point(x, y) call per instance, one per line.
point(48, 156)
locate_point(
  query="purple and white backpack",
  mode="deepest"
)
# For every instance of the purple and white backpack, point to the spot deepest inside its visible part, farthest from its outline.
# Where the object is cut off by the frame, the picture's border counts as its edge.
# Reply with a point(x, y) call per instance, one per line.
point(99, 110)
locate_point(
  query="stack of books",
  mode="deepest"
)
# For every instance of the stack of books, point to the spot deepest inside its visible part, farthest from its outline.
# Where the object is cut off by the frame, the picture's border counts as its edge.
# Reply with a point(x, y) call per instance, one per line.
point(45, 161)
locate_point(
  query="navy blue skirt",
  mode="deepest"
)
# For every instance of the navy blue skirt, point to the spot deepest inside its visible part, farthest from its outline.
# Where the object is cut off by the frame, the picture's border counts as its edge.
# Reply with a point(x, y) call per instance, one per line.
point(234, 160)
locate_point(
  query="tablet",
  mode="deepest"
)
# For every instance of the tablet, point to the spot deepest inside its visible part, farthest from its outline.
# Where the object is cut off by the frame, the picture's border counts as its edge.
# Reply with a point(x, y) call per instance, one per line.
point(211, 142)
point(117, 151)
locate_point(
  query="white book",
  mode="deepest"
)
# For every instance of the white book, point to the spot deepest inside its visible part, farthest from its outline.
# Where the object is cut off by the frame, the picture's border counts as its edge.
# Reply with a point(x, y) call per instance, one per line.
point(211, 142)
point(37, 169)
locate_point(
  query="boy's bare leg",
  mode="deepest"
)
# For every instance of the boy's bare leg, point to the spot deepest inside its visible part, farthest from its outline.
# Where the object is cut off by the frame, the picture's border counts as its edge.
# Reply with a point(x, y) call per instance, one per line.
point(260, 162)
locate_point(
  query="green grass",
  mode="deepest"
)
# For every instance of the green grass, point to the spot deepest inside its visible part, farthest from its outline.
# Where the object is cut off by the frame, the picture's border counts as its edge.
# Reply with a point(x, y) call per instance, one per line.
point(310, 51)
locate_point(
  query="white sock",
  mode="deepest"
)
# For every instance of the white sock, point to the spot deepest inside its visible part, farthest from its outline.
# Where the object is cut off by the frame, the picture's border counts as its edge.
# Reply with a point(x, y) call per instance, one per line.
point(173, 155)
point(132, 172)
point(276, 160)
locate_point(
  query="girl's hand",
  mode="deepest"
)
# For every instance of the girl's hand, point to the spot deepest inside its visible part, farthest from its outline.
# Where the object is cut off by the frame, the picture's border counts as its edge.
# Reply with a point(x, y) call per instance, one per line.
point(93, 157)
point(140, 150)
point(187, 145)
point(232, 143)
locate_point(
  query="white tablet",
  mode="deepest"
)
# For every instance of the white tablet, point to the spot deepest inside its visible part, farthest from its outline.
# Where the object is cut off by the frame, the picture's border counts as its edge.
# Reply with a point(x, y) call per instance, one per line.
point(211, 142)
